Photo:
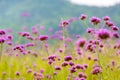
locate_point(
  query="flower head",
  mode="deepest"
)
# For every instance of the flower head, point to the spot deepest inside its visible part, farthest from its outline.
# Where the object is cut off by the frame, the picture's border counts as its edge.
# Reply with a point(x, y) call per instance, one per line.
point(103, 34)
point(95, 20)
point(43, 37)
point(80, 42)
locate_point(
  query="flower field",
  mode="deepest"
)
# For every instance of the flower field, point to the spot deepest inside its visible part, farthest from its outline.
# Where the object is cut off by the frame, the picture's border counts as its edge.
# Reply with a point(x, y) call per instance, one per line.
point(62, 56)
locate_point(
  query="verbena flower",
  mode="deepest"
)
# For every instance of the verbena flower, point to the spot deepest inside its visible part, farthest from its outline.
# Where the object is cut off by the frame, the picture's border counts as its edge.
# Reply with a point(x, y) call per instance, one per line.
point(83, 16)
point(64, 23)
point(80, 42)
point(106, 18)
point(103, 34)
point(95, 20)
point(68, 58)
point(43, 37)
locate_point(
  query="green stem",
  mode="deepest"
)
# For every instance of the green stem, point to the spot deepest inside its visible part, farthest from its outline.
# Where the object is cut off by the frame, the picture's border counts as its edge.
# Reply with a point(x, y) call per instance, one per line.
point(1, 48)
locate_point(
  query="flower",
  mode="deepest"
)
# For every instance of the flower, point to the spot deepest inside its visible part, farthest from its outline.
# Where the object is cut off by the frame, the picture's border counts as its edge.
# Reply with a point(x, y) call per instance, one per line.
point(109, 23)
point(106, 18)
point(83, 16)
point(103, 34)
point(43, 37)
point(115, 28)
point(24, 34)
point(95, 20)
point(96, 70)
point(2, 32)
point(57, 68)
point(2, 40)
point(64, 64)
point(64, 23)
point(80, 42)
point(116, 35)
point(68, 58)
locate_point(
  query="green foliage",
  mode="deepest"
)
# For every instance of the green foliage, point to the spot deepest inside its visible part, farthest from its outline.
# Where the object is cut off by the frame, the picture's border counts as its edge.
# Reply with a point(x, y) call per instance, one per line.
point(48, 13)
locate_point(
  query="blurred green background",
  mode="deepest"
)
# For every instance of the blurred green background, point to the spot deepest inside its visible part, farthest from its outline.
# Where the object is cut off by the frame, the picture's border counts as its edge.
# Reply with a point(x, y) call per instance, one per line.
point(15, 14)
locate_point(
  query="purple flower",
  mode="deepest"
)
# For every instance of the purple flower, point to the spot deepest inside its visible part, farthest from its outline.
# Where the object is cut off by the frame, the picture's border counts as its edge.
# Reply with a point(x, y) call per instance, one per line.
point(104, 34)
point(83, 16)
point(96, 70)
point(78, 66)
point(57, 68)
point(73, 69)
point(29, 44)
point(24, 34)
point(115, 28)
point(30, 37)
point(2, 32)
point(17, 73)
point(52, 57)
point(43, 37)
point(68, 58)
point(82, 75)
point(116, 35)
point(64, 23)
point(71, 63)
point(106, 18)
point(2, 40)
point(9, 37)
point(90, 30)
point(60, 50)
point(29, 71)
point(41, 70)
point(64, 64)
point(80, 42)
point(95, 20)
point(34, 30)
point(109, 23)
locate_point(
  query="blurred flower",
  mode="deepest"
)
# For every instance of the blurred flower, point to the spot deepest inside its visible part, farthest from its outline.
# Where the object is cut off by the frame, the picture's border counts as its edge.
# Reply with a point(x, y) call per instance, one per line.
point(43, 37)
point(106, 18)
point(104, 34)
point(25, 14)
point(80, 42)
point(83, 16)
point(64, 23)
point(95, 20)
point(68, 58)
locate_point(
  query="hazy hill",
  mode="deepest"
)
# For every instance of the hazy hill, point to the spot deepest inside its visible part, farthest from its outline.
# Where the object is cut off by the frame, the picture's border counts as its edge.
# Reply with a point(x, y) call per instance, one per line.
point(48, 13)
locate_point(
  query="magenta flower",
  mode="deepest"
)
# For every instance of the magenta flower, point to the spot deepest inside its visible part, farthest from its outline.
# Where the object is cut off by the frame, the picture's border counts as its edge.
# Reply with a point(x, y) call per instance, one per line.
point(96, 70)
point(115, 28)
point(80, 43)
point(68, 58)
point(64, 64)
point(2, 32)
point(72, 69)
point(43, 37)
point(116, 35)
point(82, 75)
point(64, 23)
point(24, 34)
point(95, 20)
point(104, 34)
point(109, 23)
point(83, 16)
point(17, 73)
point(57, 68)
point(106, 18)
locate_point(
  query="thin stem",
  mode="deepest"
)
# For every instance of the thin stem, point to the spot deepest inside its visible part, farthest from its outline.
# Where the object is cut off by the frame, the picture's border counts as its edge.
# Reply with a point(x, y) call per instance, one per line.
point(1, 47)
point(63, 39)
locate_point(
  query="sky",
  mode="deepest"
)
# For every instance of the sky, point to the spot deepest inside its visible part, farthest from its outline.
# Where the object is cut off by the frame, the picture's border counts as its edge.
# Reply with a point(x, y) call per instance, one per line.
point(99, 3)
